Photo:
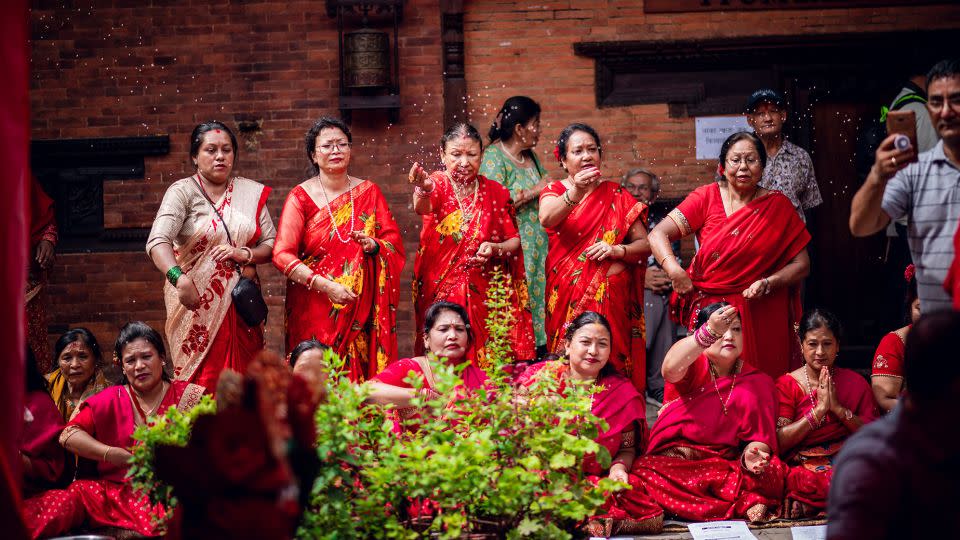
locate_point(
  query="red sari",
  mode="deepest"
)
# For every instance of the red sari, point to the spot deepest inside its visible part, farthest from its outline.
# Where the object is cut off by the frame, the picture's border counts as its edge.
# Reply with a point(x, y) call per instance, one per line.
point(575, 284)
point(40, 443)
point(735, 251)
point(106, 499)
point(816, 452)
point(692, 467)
point(43, 226)
point(363, 332)
point(888, 360)
point(443, 270)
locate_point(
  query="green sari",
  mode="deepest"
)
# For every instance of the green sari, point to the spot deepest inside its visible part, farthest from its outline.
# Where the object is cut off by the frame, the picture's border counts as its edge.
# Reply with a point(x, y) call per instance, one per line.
point(499, 167)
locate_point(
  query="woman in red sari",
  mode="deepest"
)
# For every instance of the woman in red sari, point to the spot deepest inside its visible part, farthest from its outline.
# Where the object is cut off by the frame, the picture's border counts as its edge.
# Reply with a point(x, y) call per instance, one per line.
point(342, 254)
point(752, 254)
point(209, 227)
point(596, 237)
point(712, 452)
point(43, 239)
point(42, 459)
point(468, 233)
point(886, 377)
point(820, 406)
point(447, 335)
point(588, 345)
point(102, 431)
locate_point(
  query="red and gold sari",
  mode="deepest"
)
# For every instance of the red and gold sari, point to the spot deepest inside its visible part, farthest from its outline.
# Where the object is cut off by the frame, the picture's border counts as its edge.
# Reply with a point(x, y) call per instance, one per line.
point(105, 499)
point(692, 467)
point(211, 338)
point(363, 332)
point(735, 251)
point(575, 284)
point(443, 270)
point(811, 461)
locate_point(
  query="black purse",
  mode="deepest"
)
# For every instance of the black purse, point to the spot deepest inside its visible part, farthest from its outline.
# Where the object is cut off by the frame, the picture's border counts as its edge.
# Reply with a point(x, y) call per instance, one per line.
point(246, 295)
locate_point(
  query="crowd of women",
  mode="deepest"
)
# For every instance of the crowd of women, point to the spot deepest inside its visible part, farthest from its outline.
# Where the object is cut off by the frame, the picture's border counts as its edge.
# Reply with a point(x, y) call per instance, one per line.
point(754, 409)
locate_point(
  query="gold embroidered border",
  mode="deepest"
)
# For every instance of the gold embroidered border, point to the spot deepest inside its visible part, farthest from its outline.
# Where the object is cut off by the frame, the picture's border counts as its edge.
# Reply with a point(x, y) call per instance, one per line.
point(677, 216)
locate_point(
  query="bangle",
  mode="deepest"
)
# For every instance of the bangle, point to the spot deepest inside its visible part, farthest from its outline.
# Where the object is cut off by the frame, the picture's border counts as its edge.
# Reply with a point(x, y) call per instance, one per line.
point(567, 200)
point(812, 419)
point(173, 275)
point(660, 262)
point(105, 452)
point(249, 254)
point(704, 337)
point(766, 283)
point(310, 283)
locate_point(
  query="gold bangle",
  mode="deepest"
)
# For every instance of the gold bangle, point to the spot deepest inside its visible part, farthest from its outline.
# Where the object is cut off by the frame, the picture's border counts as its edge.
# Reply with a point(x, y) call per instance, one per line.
point(105, 452)
point(249, 254)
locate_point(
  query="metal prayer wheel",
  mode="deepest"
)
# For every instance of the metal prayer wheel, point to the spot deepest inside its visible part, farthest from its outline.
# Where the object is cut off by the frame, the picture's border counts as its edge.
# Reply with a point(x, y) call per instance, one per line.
point(366, 59)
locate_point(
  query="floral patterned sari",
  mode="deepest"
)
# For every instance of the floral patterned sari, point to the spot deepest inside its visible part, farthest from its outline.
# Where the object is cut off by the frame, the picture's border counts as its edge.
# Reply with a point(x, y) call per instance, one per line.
point(443, 271)
point(365, 331)
point(575, 284)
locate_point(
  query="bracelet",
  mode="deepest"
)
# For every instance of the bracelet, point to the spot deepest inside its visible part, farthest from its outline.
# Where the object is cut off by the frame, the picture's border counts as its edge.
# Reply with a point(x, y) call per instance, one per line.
point(567, 200)
point(710, 331)
point(766, 283)
point(812, 419)
point(704, 337)
point(310, 283)
point(173, 275)
point(105, 452)
point(249, 254)
point(660, 262)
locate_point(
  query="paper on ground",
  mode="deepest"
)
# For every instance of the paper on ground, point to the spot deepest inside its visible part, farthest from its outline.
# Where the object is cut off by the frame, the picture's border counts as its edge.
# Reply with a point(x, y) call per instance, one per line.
point(721, 530)
point(812, 532)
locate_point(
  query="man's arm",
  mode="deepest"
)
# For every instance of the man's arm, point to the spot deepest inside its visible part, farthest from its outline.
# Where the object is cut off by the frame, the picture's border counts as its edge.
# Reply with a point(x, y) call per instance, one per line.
point(866, 213)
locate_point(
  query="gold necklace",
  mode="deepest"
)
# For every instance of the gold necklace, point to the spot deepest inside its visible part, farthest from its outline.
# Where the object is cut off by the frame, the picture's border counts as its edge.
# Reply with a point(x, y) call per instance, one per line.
point(466, 211)
point(714, 375)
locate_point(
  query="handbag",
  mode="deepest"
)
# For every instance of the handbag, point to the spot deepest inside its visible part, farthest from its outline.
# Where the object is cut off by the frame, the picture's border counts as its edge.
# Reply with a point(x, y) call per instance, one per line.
point(246, 295)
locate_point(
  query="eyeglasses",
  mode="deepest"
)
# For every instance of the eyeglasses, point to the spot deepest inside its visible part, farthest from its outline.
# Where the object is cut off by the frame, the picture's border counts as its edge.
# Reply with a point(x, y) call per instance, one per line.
point(329, 148)
point(737, 160)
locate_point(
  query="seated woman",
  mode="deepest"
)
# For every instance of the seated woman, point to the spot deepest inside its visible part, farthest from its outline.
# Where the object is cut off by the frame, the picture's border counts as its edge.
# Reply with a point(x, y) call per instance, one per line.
point(42, 458)
point(712, 451)
point(820, 406)
point(306, 359)
point(587, 361)
point(887, 376)
point(447, 334)
point(79, 372)
point(102, 430)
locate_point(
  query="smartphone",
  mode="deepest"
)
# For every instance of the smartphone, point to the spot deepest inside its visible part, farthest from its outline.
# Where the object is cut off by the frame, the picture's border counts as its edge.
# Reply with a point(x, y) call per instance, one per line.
point(904, 122)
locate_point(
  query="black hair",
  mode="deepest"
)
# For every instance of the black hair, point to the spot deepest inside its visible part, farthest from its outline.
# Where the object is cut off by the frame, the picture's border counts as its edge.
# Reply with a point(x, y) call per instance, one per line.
point(32, 378)
point(325, 122)
point(570, 130)
point(516, 111)
point(743, 136)
point(434, 311)
point(943, 69)
point(583, 319)
point(78, 334)
point(133, 331)
point(304, 346)
point(705, 312)
point(931, 371)
point(460, 129)
point(819, 318)
point(196, 137)
point(909, 298)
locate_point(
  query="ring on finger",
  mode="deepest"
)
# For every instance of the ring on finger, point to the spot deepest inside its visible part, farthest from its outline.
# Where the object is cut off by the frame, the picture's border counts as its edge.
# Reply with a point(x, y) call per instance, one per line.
point(893, 160)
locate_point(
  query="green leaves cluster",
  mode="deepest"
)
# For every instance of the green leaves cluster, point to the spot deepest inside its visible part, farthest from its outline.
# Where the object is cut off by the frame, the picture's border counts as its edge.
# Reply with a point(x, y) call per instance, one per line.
point(172, 428)
point(500, 460)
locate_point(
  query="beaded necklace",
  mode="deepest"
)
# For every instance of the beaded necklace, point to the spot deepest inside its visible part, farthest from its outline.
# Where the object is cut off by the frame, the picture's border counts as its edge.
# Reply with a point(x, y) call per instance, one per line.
point(713, 374)
point(466, 211)
point(333, 221)
point(806, 376)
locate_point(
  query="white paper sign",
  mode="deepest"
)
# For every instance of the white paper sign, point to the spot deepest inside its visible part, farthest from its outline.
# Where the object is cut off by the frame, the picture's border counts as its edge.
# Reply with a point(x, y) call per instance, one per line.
point(721, 530)
point(813, 532)
point(713, 130)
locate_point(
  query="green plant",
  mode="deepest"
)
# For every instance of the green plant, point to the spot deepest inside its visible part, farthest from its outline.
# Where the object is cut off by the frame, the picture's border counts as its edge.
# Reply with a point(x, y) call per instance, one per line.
point(498, 460)
point(171, 428)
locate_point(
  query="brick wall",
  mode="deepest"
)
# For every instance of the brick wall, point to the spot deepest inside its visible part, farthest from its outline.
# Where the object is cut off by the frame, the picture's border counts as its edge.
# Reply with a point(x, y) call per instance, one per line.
point(527, 48)
point(119, 69)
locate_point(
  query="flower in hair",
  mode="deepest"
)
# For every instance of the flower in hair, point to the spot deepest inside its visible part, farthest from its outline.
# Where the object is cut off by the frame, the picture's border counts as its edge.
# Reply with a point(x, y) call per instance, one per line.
point(556, 152)
point(909, 273)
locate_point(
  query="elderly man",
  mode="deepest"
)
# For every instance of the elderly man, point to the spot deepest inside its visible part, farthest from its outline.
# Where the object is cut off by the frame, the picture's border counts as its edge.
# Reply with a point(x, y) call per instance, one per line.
point(926, 191)
point(661, 330)
point(789, 168)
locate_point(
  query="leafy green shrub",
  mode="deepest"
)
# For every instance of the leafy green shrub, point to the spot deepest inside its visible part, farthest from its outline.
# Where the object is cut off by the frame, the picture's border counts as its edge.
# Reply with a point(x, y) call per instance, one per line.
point(498, 460)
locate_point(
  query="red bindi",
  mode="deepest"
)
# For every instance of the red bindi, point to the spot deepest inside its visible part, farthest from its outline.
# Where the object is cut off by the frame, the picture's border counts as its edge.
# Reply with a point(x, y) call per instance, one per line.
point(217, 130)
